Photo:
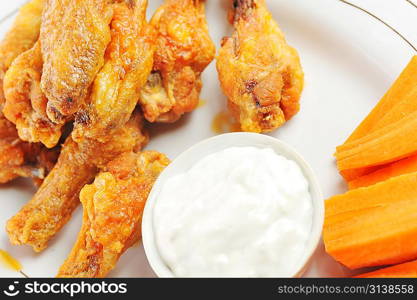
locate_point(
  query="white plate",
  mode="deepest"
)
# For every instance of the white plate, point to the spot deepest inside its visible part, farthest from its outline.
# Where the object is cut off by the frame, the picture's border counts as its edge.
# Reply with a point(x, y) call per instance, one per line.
point(349, 59)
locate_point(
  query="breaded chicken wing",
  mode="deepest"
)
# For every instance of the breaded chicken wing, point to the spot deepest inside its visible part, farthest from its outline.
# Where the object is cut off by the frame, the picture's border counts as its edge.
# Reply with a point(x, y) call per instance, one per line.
point(17, 157)
point(21, 36)
point(101, 132)
point(25, 103)
point(74, 36)
point(52, 205)
point(259, 72)
point(128, 62)
point(113, 207)
point(184, 49)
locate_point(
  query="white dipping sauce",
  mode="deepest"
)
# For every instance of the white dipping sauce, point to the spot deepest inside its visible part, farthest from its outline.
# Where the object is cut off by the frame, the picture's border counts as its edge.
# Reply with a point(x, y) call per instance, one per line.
point(241, 212)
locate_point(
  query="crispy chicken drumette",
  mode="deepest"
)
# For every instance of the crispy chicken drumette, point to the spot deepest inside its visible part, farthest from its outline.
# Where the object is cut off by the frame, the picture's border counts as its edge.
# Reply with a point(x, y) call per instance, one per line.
point(128, 62)
point(74, 35)
point(52, 205)
point(259, 72)
point(113, 207)
point(183, 51)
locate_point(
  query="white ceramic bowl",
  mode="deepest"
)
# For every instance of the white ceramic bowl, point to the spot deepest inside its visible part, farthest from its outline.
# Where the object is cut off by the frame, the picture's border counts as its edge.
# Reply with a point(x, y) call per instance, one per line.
point(188, 158)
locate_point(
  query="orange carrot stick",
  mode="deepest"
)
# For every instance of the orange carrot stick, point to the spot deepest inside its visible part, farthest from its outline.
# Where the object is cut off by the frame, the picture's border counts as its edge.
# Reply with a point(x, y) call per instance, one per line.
point(380, 116)
point(390, 143)
point(404, 166)
point(375, 225)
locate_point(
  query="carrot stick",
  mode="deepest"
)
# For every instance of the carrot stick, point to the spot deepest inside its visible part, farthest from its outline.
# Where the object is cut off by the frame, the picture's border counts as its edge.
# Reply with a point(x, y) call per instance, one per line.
point(390, 143)
point(380, 116)
point(404, 166)
point(375, 225)
point(407, 105)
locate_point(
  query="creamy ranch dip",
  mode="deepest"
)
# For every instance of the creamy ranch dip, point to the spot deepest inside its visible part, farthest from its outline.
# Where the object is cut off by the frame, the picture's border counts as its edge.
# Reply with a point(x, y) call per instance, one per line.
point(240, 212)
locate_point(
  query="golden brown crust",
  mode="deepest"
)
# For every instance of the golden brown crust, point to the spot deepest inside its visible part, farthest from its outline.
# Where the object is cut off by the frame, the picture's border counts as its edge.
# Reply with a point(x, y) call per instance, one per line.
point(113, 207)
point(12, 160)
point(101, 132)
point(183, 51)
point(263, 86)
point(19, 158)
point(25, 103)
point(21, 36)
point(74, 35)
point(128, 62)
point(52, 205)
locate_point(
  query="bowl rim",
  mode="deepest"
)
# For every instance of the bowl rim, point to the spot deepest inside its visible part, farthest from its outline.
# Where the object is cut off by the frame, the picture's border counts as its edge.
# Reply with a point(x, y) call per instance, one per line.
point(218, 143)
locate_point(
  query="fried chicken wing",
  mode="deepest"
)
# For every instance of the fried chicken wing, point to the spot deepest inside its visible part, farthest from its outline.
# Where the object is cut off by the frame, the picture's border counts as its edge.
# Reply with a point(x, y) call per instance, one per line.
point(112, 213)
point(52, 205)
point(17, 157)
point(128, 62)
point(259, 72)
point(25, 103)
point(74, 35)
point(100, 134)
point(21, 36)
point(184, 49)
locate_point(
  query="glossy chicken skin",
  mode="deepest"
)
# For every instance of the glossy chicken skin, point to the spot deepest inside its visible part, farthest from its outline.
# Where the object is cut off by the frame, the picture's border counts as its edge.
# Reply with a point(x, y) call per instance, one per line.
point(21, 36)
point(259, 72)
point(183, 51)
point(128, 62)
point(25, 103)
point(52, 205)
point(113, 207)
point(74, 36)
